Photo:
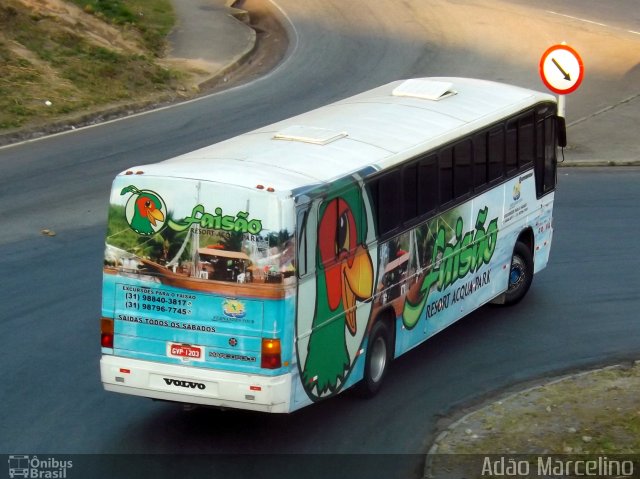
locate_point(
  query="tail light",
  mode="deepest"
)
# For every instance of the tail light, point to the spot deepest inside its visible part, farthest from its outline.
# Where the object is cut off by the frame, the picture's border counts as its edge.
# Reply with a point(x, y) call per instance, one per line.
point(271, 354)
point(106, 332)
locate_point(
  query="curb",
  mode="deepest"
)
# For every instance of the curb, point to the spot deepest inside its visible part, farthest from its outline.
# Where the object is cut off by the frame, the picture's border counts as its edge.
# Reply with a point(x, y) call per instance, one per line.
point(597, 163)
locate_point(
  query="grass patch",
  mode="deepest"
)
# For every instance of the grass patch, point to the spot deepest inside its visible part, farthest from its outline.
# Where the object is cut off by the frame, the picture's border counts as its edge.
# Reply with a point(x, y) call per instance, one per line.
point(54, 64)
point(154, 19)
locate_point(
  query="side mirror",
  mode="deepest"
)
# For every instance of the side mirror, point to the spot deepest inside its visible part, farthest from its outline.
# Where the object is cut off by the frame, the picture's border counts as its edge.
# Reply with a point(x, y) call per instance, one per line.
point(562, 131)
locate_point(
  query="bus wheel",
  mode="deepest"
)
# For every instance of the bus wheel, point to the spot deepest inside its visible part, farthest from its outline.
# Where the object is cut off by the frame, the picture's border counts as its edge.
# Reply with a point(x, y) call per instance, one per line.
point(520, 274)
point(376, 361)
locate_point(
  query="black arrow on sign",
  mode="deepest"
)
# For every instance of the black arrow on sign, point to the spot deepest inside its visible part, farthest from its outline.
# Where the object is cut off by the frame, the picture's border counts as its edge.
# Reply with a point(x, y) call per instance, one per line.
point(566, 75)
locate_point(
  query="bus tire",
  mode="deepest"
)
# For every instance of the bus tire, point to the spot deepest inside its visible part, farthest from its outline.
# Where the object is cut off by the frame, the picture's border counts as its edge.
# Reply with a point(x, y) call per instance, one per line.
point(520, 274)
point(377, 361)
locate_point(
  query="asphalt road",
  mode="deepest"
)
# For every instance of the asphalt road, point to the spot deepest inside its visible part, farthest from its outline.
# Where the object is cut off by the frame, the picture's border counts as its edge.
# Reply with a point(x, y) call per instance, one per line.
point(581, 311)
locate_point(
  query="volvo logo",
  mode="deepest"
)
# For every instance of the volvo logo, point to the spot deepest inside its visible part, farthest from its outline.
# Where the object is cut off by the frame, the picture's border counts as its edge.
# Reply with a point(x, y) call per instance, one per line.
point(184, 384)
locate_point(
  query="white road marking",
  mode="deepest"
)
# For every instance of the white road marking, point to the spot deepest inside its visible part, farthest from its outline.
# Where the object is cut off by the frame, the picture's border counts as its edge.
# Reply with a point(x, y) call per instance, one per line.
point(577, 18)
point(591, 22)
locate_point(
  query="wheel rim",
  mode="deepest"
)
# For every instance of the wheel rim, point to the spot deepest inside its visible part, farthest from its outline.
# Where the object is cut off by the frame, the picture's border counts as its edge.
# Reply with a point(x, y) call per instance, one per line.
point(378, 359)
point(517, 273)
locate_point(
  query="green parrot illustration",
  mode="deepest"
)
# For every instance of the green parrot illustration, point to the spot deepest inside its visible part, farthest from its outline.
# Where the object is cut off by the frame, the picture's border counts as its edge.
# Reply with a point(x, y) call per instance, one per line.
point(346, 276)
point(146, 212)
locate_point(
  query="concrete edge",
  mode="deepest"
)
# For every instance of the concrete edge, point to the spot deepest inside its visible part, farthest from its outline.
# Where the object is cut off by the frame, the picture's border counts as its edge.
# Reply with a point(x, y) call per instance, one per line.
point(597, 163)
point(238, 13)
point(433, 450)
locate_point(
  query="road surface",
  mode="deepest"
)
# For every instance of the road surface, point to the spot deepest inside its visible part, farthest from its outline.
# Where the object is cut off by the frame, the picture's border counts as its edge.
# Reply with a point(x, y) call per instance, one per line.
point(581, 311)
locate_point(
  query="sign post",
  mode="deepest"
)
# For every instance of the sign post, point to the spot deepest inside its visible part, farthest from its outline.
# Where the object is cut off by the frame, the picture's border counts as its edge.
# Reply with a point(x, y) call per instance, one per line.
point(562, 71)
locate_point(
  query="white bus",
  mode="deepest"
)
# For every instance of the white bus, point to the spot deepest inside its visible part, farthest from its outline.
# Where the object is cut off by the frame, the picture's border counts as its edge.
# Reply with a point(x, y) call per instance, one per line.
point(283, 266)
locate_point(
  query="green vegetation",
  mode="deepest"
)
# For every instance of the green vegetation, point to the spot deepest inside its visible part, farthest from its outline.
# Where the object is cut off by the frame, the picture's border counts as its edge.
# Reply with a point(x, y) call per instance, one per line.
point(152, 18)
point(65, 60)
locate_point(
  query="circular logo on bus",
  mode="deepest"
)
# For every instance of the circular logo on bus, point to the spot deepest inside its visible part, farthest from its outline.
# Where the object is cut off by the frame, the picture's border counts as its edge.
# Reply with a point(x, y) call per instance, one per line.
point(145, 211)
point(233, 308)
point(516, 191)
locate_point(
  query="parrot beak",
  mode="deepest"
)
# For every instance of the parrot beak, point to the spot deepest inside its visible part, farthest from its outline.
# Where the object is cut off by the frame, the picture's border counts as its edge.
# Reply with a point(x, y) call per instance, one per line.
point(154, 214)
point(357, 284)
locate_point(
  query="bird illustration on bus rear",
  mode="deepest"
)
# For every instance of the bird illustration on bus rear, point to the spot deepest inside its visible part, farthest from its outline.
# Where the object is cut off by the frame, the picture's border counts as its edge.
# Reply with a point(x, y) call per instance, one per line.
point(345, 276)
point(145, 214)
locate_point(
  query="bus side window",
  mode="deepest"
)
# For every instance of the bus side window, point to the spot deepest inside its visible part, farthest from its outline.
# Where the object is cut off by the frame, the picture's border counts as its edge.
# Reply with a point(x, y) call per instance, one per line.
point(545, 165)
point(480, 161)
point(389, 201)
point(496, 154)
point(385, 191)
point(410, 187)
point(427, 185)
point(526, 141)
point(549, 153)
point(463, 175)
point(445, 163)
point(540, 152)
point(512, 147)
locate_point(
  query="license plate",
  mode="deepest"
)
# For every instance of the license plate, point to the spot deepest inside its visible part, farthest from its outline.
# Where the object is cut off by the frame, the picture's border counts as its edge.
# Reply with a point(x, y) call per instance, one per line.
point(186, 352)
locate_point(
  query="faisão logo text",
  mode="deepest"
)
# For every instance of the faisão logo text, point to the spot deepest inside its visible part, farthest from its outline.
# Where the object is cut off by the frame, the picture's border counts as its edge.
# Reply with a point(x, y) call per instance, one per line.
point(454, 260)
point(239, 223)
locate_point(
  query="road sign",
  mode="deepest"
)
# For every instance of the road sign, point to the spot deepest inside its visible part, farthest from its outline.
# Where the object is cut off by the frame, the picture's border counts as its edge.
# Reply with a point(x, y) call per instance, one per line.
point(561, 69)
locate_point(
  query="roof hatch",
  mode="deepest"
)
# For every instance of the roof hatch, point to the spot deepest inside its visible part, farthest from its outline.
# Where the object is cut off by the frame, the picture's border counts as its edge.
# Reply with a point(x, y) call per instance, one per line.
point(424, 89)
point(309, 134)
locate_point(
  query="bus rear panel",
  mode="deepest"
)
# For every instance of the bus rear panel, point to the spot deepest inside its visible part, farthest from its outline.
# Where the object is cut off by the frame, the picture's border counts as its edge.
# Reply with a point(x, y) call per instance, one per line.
point(198, 287)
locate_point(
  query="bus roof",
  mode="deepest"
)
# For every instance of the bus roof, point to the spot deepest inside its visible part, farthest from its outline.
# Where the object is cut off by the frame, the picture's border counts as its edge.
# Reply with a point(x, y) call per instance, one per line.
point(372, 130)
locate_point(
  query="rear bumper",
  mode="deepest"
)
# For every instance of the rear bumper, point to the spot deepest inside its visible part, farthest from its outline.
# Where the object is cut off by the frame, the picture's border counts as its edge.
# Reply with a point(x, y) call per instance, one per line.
point(195, 385)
